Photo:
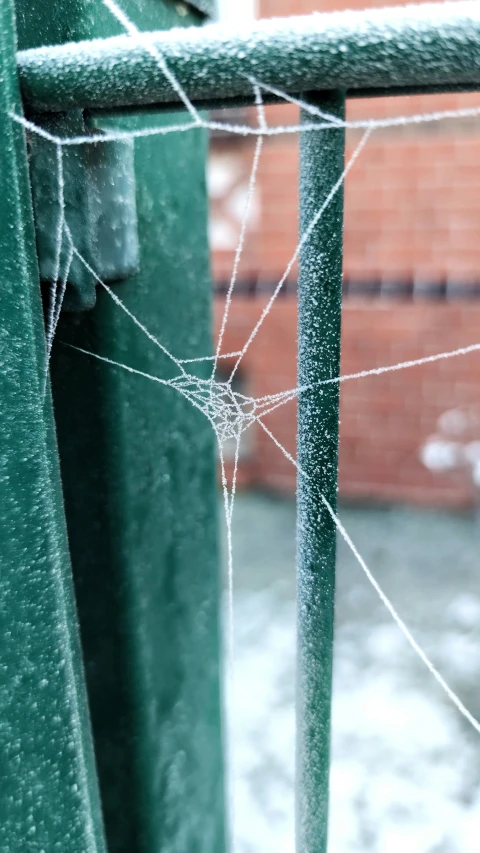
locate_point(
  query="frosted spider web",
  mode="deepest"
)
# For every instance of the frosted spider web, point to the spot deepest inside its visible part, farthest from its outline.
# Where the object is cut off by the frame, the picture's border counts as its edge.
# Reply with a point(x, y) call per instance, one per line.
point(229, 412)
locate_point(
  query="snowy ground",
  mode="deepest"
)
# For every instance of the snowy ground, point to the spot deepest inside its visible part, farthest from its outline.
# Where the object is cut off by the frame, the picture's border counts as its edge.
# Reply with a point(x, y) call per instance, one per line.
point(405, 765)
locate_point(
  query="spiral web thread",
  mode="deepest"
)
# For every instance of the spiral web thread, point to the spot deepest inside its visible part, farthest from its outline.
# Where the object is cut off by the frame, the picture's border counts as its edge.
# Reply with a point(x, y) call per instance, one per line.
point(229, 412)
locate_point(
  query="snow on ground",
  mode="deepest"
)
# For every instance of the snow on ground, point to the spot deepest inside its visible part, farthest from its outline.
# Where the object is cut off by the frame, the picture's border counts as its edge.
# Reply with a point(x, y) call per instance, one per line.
point(405, 772)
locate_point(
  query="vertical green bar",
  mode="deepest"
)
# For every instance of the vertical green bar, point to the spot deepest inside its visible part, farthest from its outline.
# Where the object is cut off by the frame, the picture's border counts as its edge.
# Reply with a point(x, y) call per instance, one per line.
point(48, 793)
point(138, 469)
point(320, 294)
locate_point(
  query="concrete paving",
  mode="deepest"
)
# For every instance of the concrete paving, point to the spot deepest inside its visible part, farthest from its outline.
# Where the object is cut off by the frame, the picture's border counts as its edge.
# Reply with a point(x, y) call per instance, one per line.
point(405, 765)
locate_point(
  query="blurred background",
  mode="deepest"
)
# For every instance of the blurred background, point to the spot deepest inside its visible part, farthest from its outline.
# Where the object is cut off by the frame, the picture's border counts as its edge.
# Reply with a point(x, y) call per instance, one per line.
point(405, 770)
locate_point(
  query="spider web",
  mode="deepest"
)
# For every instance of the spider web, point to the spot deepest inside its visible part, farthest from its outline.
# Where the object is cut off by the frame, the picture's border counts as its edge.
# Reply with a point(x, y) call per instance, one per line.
point(230, 413)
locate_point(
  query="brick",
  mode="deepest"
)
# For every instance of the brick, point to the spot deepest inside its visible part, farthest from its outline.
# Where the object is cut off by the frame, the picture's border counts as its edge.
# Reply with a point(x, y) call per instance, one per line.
point(412, 213)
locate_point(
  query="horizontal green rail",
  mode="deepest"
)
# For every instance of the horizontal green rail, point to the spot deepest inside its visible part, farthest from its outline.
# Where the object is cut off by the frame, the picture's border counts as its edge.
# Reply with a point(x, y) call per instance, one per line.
point(420, 47)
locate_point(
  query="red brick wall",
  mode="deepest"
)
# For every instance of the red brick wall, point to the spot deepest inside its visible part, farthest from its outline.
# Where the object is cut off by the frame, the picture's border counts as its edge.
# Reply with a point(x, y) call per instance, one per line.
point(412, 201)
point(279, 8)
point(385, 420)
point(412, 212)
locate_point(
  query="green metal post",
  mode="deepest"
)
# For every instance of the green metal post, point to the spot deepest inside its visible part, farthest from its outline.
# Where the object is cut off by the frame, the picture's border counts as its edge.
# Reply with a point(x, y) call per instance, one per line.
point(49, 798)
point(320, 294)
point(138, 471)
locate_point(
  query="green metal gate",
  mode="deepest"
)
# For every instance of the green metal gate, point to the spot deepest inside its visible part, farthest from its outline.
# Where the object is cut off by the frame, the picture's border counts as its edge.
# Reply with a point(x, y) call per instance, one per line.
point(109, 586)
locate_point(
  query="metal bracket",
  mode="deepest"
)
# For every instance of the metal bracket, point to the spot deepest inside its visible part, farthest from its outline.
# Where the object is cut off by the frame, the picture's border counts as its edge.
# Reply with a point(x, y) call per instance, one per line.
point(99, 209)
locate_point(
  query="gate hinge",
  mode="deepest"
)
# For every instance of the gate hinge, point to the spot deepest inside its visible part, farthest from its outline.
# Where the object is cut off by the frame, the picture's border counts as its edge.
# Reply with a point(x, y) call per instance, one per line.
point(99, 208)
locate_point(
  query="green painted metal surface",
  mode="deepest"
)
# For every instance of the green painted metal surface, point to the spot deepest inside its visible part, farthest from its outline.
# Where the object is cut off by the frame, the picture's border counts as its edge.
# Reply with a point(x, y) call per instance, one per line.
point(49, 796)
point(319, 310)
point(138, 471)
point(100, 206)
point(138, 462)
point(424, 45)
